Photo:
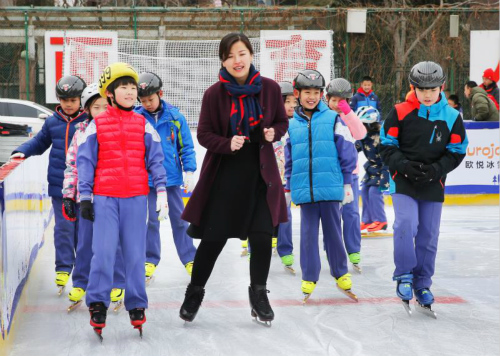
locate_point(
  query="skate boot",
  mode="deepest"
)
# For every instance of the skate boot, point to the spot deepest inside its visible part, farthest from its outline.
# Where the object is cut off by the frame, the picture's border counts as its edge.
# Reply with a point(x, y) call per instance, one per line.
point(116, 296)
point(355, 259)
point(76, 298)
point(244, 246)
point(288, 263)
point(424, 302)
point(404, 289)
point(192, 302)
point(344, 285)
point(364, 226)
point(61, 280)
point(189, 267)
point(274, 243)
point(137, 318)
point(307, 289)
point(98, 313)
point(377, 226)
point(150, 270)
point(259, 303)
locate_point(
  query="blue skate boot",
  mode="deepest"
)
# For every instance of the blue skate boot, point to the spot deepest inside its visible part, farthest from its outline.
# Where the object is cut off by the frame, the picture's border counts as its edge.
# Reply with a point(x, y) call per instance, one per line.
point(425, 300)
point(404, 289)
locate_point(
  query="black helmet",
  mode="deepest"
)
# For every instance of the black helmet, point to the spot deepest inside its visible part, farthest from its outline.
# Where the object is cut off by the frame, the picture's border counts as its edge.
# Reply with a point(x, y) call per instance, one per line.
point(309, 78)
point(148, 84)
point(427, 75)
point(339, 87)
point(286, 88)
point(70, 86)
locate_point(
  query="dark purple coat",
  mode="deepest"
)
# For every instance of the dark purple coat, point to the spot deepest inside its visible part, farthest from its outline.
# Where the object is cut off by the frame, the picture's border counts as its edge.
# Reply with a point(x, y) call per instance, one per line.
point(212, 134)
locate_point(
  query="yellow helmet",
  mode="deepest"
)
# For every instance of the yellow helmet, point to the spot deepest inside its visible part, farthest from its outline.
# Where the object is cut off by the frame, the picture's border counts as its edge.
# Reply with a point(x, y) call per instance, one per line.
point(113, 72)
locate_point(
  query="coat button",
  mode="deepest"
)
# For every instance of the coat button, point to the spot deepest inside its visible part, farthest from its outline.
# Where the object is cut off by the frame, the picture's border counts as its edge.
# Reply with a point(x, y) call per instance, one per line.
point(261, 166)
point(270, 184)
point(261, 146)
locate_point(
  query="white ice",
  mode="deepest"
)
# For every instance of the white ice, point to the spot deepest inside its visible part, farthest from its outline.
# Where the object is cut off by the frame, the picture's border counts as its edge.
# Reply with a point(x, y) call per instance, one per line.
point(467, 271)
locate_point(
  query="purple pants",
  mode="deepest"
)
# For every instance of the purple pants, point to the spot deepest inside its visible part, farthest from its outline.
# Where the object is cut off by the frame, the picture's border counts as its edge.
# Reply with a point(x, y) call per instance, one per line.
point(65, 238)
point(373, 205)
point(285, 243)
point(416, 232)
point(350, 217)
point(119, 221)
point(183, 243)
point(310, 262)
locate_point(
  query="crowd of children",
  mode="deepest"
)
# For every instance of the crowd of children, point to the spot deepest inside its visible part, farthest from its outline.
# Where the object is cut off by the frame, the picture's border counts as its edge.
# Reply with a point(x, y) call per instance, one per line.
point(116, 170)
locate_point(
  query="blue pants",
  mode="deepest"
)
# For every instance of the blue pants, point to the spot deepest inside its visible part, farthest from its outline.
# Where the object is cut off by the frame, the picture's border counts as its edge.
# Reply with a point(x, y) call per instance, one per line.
point(65, 238)
point(84, 256)
point(310, 263)
point(350, 216)
point(373, 205)
point(416, 232)
point(183, 243)
point(285, 243)
point(119, 221)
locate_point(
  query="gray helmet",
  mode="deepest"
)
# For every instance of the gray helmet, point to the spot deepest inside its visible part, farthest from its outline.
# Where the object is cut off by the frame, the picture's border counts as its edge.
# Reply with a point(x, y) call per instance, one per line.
point(148, 84)
point(286, 88)
point(70, 86)
point(89, 92)
point(427, 75)
point(339, 87)
point(309, 78)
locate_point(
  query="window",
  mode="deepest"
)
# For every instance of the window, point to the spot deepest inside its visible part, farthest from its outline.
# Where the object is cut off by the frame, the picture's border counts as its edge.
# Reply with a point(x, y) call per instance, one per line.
point(20, 110)
point(4, 109)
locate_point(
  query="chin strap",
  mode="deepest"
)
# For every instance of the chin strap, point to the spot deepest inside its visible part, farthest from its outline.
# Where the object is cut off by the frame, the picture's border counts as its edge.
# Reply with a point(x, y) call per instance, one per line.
point(119, 106)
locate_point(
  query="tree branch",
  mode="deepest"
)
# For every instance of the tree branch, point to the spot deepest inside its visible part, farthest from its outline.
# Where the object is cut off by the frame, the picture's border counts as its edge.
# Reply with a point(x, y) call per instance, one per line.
point(421, 36)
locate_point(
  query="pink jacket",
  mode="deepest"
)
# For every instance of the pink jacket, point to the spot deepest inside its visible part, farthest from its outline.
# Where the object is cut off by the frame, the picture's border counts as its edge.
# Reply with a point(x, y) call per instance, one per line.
point(70, 182)
point(358, 130)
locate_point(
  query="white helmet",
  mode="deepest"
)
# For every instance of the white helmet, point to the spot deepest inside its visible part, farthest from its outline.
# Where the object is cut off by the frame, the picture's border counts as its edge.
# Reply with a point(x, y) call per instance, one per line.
point(368, 114)
point(89, 92)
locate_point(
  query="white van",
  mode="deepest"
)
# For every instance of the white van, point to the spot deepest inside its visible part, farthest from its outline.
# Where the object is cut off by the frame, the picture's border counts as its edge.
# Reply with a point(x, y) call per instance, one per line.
point(23, 112)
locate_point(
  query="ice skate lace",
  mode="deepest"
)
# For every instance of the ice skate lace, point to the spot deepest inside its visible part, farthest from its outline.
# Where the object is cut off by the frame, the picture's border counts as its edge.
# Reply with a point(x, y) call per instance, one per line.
point(262, 301)
point(193, 300)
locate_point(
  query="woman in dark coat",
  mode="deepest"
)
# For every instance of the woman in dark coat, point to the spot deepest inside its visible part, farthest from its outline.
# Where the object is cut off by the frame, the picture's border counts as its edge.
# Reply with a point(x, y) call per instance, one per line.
point(239, 193)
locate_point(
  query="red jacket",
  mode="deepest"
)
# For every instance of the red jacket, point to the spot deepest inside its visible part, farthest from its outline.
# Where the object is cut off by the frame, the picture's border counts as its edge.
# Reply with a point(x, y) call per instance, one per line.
point(121, 167)
point(212, 134)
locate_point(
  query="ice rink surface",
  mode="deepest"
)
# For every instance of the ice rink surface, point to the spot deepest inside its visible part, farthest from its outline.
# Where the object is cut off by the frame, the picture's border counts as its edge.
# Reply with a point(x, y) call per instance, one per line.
point(466, 287)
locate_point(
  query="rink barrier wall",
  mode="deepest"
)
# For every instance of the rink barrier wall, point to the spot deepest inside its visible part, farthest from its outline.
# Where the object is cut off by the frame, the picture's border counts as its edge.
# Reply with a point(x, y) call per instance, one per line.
point(26, 211)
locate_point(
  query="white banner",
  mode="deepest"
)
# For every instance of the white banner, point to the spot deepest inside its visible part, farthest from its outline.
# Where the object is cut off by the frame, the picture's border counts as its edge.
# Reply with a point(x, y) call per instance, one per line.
point(484, 53)
point(102, 47)
point(284, 53)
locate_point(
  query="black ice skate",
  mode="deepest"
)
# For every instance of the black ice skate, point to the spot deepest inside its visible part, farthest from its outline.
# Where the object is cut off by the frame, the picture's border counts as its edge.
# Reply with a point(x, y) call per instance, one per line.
point(192, 302)
point(98, 313)
point(137, 318)
point(259, 303)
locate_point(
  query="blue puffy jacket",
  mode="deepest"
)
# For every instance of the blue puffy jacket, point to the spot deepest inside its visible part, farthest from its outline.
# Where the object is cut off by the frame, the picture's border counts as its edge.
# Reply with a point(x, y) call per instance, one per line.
point(321, 155)
point(57, 130)
point(361, 99)
point(176, 141)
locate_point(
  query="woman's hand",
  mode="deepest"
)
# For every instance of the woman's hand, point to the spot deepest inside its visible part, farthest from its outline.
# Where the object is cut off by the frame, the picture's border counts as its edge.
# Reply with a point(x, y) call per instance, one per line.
point(269, 134)
point(237, 142)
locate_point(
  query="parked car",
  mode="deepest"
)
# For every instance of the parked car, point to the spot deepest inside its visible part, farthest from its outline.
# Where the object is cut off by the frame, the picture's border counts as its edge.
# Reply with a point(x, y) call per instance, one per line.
point(23, 112)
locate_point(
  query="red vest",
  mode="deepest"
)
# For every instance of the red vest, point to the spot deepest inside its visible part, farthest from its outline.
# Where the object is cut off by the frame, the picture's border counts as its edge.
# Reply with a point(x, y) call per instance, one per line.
point(121, 166)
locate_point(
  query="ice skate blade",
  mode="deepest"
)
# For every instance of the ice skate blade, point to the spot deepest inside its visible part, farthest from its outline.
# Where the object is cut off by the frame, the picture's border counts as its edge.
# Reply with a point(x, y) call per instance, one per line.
point(357, 268)
point(244, 252)
point(139, 328)
point(74, 305)
point(98, 332)
point(149, 280)
point(275, 251)
point(426, 310)
point(406, 305)
point(348, 293)
point(61, 290)
point(118, 306)
point(306, 297)
point(266, 323)
point(290, 270)
point(381, 233)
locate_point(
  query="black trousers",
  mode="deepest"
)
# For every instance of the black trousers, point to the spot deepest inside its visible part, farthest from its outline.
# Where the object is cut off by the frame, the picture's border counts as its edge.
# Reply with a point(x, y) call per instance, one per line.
point(208, 251)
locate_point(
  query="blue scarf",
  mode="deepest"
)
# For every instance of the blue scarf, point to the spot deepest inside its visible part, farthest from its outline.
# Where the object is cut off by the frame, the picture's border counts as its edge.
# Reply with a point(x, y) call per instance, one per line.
point(246, 113)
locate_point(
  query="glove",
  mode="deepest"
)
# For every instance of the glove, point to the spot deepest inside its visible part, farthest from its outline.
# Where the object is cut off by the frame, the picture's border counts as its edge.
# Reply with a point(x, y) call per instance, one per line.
point(68, 209)
point(411, 170)
point(432, 172)
point(87, 210)
point(344, 107)
point(288, 197)
point(348, 194)
point(162, 206)
point(189, 182)
point(17, 155)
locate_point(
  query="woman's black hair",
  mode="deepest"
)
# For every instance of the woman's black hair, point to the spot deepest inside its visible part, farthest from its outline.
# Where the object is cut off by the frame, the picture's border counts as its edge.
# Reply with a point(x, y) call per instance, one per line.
point(229, 40)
